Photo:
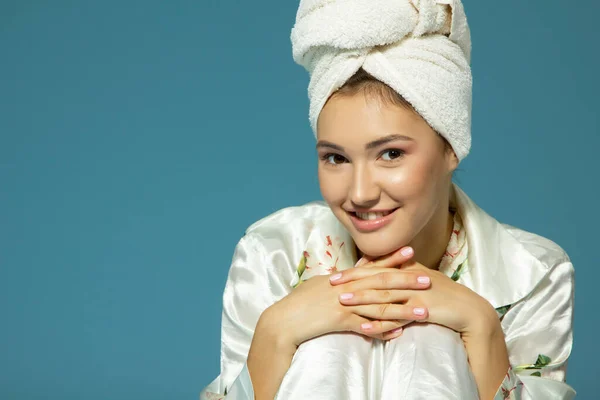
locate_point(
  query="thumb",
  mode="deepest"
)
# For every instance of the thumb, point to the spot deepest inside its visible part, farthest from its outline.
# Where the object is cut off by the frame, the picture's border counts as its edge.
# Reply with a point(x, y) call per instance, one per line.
point(392, 260)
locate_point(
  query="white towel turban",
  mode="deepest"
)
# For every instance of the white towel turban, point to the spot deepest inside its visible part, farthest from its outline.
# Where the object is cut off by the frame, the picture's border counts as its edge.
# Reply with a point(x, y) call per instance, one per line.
point(420, 48)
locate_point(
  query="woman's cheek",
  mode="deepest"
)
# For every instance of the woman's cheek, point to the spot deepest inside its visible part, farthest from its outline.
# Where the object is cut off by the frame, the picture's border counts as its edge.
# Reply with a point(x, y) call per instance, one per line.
point(411, 177)
point(332, 187)
point(400, 183)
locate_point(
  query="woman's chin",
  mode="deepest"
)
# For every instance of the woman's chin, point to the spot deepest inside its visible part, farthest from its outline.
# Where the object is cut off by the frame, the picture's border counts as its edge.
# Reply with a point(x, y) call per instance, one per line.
point(375, 249)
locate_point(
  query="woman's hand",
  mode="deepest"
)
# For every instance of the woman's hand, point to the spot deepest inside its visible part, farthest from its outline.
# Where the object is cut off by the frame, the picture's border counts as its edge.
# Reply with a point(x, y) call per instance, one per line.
point(314, 309)
point(381, 294)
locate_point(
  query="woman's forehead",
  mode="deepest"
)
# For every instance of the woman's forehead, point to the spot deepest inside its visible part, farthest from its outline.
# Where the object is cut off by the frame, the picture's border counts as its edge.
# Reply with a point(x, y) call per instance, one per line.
point(360, 119)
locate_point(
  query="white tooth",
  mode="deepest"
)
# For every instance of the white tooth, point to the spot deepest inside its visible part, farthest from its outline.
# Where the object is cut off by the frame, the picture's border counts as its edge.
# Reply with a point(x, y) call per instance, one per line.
point(372, 215)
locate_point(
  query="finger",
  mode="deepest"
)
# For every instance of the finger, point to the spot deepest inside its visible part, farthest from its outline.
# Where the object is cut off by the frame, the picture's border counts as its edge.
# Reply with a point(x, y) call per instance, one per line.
point(412, 265)
point(372, 328)
point(377, 328)
point(393, 334)
point(378, 325)
point(381, 278)
point(393, 279)
point(374, 297)
point(387, 312)
point(353, 274)
point(391, 260)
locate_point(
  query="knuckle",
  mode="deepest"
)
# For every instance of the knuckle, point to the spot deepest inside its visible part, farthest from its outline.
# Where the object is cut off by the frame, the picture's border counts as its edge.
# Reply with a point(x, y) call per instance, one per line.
point(347, 322)
point(413, 277)
point(341, 315)
point(384, 278)
point(377, 327)
point(382, 310)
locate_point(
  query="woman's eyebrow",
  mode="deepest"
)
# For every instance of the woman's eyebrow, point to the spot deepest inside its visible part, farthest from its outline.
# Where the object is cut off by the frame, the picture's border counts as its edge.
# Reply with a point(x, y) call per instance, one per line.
point(371, 145)
point(386, 139)
point(325, 143)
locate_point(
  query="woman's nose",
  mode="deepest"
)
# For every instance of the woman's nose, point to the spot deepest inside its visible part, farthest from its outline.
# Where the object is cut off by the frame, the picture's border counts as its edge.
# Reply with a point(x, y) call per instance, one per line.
point(364, 191)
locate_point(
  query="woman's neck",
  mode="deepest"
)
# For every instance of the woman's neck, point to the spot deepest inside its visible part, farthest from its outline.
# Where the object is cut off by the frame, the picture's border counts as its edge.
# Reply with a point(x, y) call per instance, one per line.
point(431, 243)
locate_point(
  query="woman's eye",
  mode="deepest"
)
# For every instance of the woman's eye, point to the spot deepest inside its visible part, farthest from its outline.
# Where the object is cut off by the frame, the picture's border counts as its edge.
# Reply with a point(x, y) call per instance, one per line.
point(334, 159)
point(390, 155)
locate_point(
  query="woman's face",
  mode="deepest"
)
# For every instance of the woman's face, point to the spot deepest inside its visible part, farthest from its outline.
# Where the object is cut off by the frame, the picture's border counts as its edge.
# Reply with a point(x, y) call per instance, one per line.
point(383, 171)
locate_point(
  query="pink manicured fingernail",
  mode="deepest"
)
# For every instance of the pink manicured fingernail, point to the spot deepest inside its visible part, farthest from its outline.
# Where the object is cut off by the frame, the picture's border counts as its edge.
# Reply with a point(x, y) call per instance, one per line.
point(335, 277)
point(419, 311)
point(424, 280)
point(397, 330)
point(366, 326)
point(346, 296)
point(407, 251)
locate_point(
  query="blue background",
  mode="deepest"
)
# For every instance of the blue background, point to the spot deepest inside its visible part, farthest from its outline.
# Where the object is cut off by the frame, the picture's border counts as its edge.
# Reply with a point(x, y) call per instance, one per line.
point(138, 139)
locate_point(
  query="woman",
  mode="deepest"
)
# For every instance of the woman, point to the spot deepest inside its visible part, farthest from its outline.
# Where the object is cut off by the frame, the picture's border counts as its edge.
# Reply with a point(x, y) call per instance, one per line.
point(444, 302)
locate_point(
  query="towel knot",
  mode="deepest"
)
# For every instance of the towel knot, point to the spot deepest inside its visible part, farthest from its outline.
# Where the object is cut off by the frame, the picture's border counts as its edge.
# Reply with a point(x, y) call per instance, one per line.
point(372, 23)
point(420, 48)
point(435, 17)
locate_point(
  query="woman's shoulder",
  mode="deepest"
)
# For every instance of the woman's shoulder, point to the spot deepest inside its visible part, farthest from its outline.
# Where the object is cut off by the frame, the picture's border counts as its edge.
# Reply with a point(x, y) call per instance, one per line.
point(521, 244)
point(548, 252)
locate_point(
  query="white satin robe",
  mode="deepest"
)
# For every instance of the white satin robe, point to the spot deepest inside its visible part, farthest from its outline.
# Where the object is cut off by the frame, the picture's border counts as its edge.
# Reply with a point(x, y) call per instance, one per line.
point(527, 278)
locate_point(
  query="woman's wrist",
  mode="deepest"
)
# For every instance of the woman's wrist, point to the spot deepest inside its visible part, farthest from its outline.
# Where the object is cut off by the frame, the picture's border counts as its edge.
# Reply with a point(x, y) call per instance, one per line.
point(484, 322)
point(271, 327)
point(486, 349)
point(489, 335)
point(269, 357)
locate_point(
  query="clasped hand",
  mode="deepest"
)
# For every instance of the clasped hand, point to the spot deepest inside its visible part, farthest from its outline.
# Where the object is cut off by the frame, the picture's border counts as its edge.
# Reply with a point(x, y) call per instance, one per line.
point(377, 299)
point(410, 293)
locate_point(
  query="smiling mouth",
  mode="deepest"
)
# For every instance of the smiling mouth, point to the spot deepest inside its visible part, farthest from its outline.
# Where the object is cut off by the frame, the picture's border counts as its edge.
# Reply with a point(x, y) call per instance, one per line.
point(372, 216)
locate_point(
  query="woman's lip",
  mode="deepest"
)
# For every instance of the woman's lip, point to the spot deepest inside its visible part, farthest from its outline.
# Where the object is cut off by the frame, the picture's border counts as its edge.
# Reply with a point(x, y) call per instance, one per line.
point(373, 211)
point(371, 224)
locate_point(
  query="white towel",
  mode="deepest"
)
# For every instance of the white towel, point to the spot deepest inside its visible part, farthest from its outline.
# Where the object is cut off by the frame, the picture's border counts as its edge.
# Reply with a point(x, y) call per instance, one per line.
point(420, 48)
